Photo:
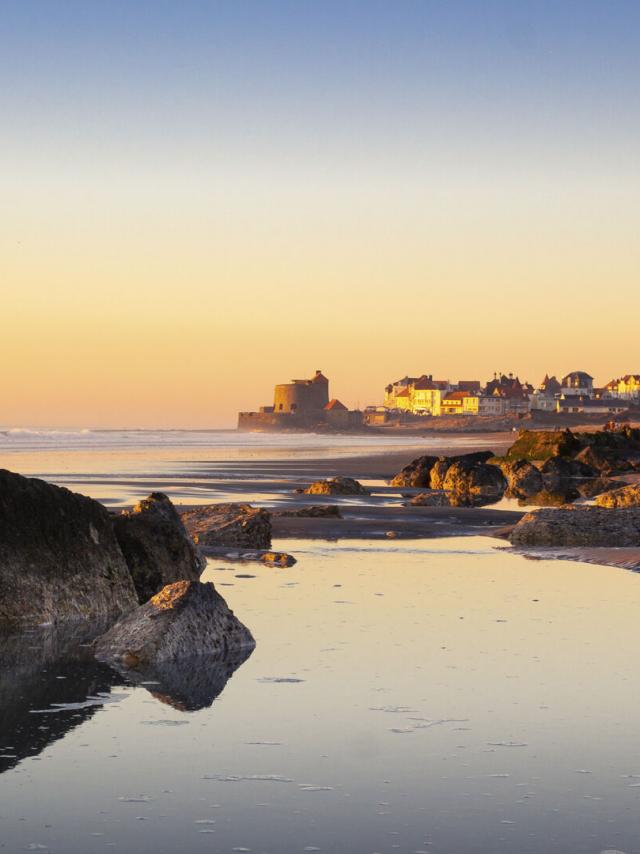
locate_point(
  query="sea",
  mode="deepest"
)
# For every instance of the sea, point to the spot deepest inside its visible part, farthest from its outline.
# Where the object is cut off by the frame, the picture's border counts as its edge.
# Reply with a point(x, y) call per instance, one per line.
point(442, 695)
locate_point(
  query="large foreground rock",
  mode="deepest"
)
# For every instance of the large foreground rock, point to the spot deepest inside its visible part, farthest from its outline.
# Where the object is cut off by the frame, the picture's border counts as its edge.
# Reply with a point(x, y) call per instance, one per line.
point(59, 556)
point(578, 526)
point(626, 496)
point(239, 525)
point(184, 620)
point(156, 546)
point(336, 486)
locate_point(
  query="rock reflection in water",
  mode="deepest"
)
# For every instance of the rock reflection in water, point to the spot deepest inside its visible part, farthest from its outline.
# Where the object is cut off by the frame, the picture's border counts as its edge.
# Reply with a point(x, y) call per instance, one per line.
point(52, 669)
point(38, 669)
point(189, 685)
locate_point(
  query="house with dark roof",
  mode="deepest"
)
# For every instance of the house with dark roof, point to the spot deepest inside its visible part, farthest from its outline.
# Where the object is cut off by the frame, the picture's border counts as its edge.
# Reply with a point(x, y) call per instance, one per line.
point(577, 382)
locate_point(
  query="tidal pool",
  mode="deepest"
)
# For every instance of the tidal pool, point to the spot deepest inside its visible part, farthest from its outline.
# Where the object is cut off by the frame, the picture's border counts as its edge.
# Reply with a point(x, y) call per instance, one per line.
point(440, 695)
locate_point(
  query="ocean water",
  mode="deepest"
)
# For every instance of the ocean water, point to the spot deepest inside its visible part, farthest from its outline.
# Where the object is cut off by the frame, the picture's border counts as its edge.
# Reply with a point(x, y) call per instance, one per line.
point(119, 467)
point(414, 696)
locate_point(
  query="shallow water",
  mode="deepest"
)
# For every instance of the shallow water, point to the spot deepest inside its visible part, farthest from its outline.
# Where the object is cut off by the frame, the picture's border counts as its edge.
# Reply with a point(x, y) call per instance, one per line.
point(439, 695)
point(119, 467)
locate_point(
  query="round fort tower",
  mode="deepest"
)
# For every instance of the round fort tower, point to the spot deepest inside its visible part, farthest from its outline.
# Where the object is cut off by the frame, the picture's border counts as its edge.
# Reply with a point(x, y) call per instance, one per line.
point(302, 395)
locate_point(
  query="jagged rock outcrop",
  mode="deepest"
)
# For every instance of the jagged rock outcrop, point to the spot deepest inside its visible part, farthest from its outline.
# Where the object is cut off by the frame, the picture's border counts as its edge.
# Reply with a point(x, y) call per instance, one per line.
point(59, 556)
point(523, 478)
point(561, 473)
point(239, 525)
point(156, 546)
point(187, 619)
point(439, 472)
point(606, 451)
point(626, 496)
point(417, 473)
point(336, 486)
point(578, 526)
point(469, 483)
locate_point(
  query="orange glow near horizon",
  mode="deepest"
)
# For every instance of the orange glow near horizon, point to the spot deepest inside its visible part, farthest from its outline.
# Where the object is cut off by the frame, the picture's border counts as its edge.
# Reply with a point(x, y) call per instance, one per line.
point(241, 199)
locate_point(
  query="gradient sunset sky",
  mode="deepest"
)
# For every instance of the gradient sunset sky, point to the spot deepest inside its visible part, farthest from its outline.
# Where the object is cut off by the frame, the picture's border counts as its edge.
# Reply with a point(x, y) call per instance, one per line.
point(201, 199)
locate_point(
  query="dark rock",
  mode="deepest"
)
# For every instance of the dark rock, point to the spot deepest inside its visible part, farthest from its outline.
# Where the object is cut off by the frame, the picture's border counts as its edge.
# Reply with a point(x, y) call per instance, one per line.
point(422, 471)
point(551, 498)
point(543, 444)
point(600, 460)
point(156, 546)
point(337, 486)
point(187, 619)
point(59, 556)
point(417, 473)
point(433, 498)
point(598, 485)
point(238, 525)
point(312, 511)
point(473, 484)
point(626, 496)
point(560, 473)
point(578, 526)
point(523, 478)
point(443, 464)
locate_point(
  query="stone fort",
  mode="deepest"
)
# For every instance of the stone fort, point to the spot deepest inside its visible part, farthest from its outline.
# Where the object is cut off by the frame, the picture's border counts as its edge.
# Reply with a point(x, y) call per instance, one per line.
point(301, 404)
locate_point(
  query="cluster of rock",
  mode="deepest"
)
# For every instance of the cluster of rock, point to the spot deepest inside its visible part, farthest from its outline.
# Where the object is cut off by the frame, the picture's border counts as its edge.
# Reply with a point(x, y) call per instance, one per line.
point(464, 480)
point(64, 557)
point(546, 468)
point(336, 486)
point(237, 525)
point(605, 451)
point(583, 468)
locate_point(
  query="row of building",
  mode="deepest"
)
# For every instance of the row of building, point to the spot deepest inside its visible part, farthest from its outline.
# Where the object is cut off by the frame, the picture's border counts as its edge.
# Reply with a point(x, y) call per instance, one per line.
point(306, 404)
point(505, 394)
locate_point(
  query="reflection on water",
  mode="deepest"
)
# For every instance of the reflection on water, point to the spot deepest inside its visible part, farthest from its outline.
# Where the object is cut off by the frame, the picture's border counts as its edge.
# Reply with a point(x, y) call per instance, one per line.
point(454, 698)
point(50, 683)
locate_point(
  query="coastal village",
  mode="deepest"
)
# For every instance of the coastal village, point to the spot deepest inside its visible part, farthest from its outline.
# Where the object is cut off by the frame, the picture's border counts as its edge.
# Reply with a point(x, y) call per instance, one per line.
point(306, 403)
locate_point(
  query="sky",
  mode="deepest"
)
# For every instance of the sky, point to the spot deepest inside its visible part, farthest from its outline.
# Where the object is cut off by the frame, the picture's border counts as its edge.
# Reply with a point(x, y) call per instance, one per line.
point(202, 199)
